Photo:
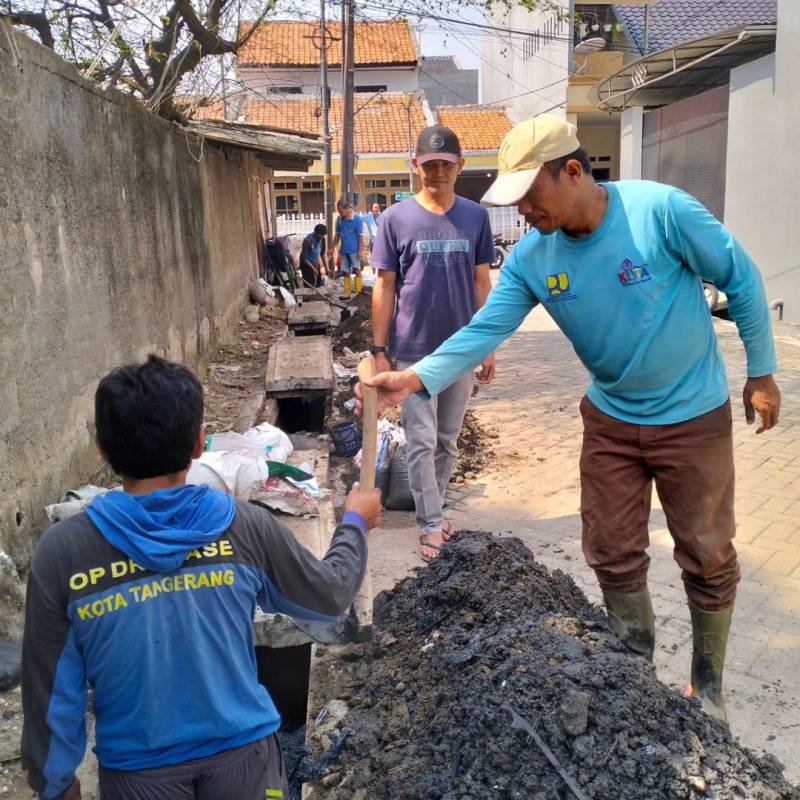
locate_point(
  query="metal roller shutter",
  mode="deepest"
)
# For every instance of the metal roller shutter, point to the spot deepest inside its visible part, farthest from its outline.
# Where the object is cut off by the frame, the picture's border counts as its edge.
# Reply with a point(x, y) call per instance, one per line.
point(684, 144)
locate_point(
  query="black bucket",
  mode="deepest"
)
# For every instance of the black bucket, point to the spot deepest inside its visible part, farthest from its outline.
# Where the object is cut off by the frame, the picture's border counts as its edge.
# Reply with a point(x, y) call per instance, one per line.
point(346, 438)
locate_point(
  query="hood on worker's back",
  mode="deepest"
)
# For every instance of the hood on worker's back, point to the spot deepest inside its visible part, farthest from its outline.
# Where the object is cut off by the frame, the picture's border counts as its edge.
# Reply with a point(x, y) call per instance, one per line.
point(158, 530)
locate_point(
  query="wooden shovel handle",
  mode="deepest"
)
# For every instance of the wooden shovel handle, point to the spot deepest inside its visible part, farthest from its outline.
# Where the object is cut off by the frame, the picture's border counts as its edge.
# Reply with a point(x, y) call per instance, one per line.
point(369, 427)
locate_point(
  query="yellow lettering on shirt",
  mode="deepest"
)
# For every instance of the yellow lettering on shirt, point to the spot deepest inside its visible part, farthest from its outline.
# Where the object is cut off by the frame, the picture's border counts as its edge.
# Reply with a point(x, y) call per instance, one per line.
point(156, 587)
point(225, 547)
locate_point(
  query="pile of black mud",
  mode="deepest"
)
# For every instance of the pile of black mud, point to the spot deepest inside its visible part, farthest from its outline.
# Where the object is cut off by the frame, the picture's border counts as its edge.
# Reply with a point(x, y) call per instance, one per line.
point(421, 712)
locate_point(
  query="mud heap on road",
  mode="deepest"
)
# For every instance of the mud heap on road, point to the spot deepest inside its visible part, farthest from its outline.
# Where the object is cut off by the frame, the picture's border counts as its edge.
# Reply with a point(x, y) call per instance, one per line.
point(420, 709)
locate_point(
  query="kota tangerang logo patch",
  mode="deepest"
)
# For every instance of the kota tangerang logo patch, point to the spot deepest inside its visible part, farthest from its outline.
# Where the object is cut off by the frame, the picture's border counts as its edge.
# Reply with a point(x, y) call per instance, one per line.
point(630, 274)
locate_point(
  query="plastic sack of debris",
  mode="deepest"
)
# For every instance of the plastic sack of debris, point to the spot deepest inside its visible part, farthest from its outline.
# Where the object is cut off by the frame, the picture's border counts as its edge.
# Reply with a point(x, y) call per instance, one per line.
point(265, 441)
point(235, 472)
point(75, 501)
point(399, 497)
point(390, 437)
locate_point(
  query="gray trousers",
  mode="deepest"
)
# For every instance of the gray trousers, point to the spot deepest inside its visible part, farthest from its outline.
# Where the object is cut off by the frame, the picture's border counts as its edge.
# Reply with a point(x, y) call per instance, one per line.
point(253, 772)
point(432, 428)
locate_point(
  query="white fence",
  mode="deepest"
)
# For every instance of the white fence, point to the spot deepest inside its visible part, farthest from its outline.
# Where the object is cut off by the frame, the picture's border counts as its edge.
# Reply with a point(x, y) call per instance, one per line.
point(506, 223)
point(299, 224)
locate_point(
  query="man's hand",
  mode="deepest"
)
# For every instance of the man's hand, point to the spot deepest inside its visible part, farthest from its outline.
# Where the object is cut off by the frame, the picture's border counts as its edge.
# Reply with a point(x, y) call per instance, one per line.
point(74, 791)
point(382, 363)
point(366, 504)
point(487, 371)
point(762, 395)
point(393, 388)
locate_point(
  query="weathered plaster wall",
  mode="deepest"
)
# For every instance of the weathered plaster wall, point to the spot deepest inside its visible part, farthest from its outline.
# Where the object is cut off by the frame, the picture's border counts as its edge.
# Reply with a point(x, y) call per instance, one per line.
point(119, 236)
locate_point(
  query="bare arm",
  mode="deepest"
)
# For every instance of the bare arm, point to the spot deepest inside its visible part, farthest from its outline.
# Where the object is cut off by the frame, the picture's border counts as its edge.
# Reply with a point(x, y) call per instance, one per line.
point(383, 299)
point(335, 242)
point(483, 285)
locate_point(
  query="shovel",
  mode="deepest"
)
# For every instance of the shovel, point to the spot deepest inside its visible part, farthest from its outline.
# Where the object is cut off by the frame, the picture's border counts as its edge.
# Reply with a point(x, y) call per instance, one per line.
point(369, 452)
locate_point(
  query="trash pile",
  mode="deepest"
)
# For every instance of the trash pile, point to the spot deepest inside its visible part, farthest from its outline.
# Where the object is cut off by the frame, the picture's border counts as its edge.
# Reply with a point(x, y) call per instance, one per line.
point(489, 676)
point(252, 466)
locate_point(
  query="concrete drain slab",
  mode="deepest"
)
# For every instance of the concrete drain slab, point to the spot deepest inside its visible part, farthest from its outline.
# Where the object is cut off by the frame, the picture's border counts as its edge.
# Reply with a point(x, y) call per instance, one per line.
point(311, 316)
point(299, 364)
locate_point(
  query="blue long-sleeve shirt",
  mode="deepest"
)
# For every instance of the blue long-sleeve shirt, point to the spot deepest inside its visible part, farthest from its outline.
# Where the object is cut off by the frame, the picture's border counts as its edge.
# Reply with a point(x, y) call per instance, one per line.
point(629, 297)
point(150, 601)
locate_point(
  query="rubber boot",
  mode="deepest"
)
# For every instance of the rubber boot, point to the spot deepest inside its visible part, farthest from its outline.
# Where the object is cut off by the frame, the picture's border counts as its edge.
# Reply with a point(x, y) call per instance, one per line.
point(710, 631)
point(347, 285)
point(630, 615)
point(359, 284)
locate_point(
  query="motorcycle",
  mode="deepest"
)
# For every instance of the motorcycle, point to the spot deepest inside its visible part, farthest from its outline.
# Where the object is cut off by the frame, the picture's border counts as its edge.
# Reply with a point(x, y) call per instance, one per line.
point(502, 249)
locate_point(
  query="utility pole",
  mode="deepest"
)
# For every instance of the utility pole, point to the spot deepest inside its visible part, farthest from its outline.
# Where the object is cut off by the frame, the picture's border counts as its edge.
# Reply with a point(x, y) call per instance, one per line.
point(327, 181)
point(409, 101)
point(348, 80)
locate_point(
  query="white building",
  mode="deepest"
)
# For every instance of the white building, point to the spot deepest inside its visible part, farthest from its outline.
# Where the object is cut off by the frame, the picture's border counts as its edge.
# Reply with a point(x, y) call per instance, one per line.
point(282, 57)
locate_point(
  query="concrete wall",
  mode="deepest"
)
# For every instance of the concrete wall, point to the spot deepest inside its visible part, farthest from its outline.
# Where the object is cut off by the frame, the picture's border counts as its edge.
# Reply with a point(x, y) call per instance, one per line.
point(600, 138)
point(531, 71)
point(116, 242)
point(450, 88)
point(763, 173)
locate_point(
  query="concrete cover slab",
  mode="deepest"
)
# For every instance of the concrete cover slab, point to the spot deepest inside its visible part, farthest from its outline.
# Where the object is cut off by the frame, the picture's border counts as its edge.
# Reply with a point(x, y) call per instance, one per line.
point(316, 312)
point(300, 363)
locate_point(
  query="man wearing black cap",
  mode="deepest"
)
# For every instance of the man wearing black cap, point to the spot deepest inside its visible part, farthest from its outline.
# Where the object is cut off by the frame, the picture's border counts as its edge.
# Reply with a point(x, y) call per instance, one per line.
point(432, 253)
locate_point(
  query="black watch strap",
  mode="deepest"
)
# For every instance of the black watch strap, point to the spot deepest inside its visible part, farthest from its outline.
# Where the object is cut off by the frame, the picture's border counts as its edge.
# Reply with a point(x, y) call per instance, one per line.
point(375, 349)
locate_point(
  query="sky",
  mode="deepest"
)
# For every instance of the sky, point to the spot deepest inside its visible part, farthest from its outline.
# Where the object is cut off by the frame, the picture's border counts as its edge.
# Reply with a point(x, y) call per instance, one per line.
point(458, 41)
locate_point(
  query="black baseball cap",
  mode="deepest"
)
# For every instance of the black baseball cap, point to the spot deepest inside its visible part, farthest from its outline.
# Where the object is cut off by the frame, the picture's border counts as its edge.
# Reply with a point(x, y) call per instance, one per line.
point(438, 143)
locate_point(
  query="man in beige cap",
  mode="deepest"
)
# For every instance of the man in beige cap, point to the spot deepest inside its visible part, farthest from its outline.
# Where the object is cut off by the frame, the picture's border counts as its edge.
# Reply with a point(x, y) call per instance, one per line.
point(619, 266)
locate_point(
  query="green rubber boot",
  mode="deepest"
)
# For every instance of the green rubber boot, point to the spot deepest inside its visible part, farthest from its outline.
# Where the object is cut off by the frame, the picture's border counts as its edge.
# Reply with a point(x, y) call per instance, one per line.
point(630, 615)
point(710, 631)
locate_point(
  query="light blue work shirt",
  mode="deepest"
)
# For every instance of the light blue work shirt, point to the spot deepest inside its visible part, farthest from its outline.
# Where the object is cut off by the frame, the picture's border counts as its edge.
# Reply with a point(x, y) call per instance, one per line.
point(630, 299)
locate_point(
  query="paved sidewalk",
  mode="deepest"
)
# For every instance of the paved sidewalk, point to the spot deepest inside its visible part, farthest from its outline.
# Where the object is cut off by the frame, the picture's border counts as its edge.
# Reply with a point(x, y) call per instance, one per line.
point(532, 491)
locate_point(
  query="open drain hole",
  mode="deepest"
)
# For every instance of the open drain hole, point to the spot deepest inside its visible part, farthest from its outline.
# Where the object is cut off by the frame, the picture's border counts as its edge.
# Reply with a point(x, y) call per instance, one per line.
point(285, 672)
point(302, 413)
point(320, 330)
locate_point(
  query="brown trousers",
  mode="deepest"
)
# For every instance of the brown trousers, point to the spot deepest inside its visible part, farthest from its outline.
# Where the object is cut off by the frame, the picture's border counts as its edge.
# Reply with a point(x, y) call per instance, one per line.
point(691, 464)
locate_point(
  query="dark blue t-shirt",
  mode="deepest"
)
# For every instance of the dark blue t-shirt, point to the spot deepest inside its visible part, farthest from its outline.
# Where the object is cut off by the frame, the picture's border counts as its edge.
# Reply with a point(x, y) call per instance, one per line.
point(434, 256)
point(312, 247)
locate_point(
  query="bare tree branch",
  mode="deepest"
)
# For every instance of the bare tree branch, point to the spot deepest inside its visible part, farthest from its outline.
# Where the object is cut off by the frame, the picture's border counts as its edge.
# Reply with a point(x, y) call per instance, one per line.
point(39, 22)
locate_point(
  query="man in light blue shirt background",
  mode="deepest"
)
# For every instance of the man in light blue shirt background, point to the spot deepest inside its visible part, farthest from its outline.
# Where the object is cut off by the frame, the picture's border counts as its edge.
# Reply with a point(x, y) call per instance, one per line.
point(619, 267)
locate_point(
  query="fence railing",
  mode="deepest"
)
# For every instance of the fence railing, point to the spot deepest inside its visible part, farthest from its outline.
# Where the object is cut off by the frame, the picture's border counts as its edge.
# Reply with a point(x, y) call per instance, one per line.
point(506, 221)
point(300, 224)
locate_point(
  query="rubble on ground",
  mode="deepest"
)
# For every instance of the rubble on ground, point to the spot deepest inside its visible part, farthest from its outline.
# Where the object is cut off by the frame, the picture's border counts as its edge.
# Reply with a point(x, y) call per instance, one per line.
point(424, 709)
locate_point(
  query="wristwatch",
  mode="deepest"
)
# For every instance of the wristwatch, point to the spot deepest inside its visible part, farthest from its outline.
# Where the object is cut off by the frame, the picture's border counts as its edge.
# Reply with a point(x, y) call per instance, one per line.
point(375, 349)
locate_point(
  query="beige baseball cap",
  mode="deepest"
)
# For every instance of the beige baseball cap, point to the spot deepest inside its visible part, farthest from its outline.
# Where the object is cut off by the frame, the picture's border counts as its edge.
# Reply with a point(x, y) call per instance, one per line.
point(523, 151)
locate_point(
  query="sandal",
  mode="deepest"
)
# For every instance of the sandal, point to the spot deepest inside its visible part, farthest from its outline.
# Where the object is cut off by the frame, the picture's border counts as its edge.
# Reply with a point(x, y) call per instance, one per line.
point(448, 531)
point(430, 546)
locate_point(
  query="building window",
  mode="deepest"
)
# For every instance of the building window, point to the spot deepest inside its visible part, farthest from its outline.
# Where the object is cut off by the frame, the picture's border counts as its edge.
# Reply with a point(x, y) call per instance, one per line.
point(375, 184)
point(371, 89)
point(286, 203)
point(286, 89)
point(399, 183)
point(312, 184)
point(290, 185)
point(376, 197)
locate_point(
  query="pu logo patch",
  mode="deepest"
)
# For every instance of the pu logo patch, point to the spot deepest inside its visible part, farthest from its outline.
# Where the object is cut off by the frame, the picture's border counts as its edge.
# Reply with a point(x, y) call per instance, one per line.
point(558, 288)
point(631, 274)
point(557, 284)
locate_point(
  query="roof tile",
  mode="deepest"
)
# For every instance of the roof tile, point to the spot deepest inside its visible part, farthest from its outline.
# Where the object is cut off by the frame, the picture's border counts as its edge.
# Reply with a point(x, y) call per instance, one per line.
point(673, 22)
point(477, 127)
point(296, 44)
point(380, 122)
